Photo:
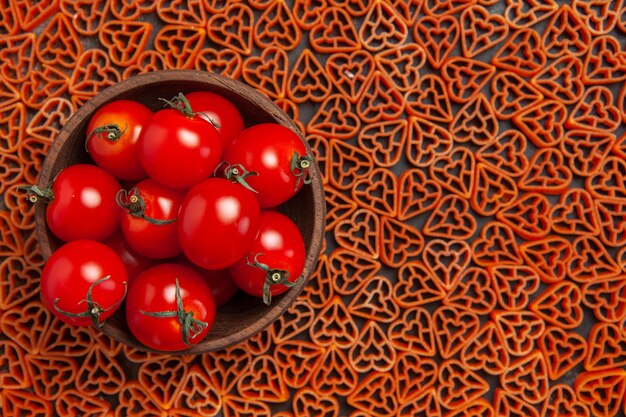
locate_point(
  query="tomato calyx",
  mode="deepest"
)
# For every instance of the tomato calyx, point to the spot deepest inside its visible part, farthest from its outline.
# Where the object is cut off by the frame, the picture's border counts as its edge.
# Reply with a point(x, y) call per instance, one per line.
point(237, 173)
point(34, 193)
point(113, 132)
point(135, 205)
point(190, 326)
point(299, 166)
point(272, 277)
point(93, 310)
point(181, 104)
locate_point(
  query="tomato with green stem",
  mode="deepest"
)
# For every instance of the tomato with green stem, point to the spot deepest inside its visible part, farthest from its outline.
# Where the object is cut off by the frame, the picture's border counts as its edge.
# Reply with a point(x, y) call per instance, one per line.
point(84, 282)
point(217, 222)
point(112, 135)
point(169, 307)
point(179, 147)
point(80, 203)
point(274, 263)
point(149, 219)
point(223, 114)
point(277, 156)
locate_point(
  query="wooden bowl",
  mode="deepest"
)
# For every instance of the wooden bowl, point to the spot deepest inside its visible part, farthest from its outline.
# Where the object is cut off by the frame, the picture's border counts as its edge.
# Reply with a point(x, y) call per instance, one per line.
point(244, 316)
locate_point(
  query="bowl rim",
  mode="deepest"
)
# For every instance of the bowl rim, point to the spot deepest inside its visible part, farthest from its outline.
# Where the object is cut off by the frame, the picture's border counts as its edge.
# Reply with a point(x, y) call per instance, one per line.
point(217, 82)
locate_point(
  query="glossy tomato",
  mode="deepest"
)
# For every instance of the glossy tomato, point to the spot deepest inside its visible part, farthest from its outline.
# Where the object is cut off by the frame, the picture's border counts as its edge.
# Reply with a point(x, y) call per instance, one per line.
point(149, 219)
point(275, 261)
point(135, 263)
point(178, 147)
point(83, 282)
point(80, 203)
point(223, 288)
point(223, 114)
point(112, 135)
point(217, 223)
point(278, 157)
point(169, 307)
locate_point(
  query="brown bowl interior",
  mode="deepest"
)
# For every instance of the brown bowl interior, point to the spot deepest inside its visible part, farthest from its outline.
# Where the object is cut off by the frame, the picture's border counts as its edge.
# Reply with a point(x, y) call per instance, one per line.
point(243, 316)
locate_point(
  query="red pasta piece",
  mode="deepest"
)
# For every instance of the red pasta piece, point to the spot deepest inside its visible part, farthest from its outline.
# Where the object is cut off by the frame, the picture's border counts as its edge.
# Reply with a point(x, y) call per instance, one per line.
point(585, 150)
point(59, 43)
point(451, 219)
point(606, 297)
point(519, 330)
point(473, 292)
point(374, 301)
point(566, 34)
point(447, 260)
point(595, 111)
point(602, 391)
point(125, 41)
point(514, 285)
point(100, 373)
point(496, 245)
point(459, 385)
point(225, 367)
point(294, 321)
point(414, 375)
point(334, 33)
point(453, 329)
point(92, 74)
point(603, 64)
point(351, 269)
point(22, 402)
point(375, 395)
point(562, 401)
point(413, 334)
point(382, 28)
point(607, 348)
point(398, 241)
point(350, 72)
point(51, 375)
point(360, 232)
point(377, 192)
point(308, 79)
point(549, 257)
point(334, 326)
point(372, 352)
point(14, 374)
point(426, 404)
point(512, 94)
point(146, 62)
point(493, 190)
point(575, 214)
point(263, 381)
point(427, 142)
point(379, 100)
point(338, 207)
point(521, 14)
point(528, 216)
point(446, 7)
point(308, 402)
point(562, 350)
point(455, 172)
point(560, 305)
point(481, 30)
point(234, 406)
point(612, 221)
point(31, 14)
point(402, 65)
point(232, 27)
point(348, 164)
point(198, 393)
point(19, 56)
point(438, 36)
point(385, 140)
point(590, 261)
point(561, 80)
point(527, 378)
point(465, 77)
point(609, 182)
point(429, 100)
point(20, 282)
point(26, 325)
point(73, 402)
point(417, 286)
point(475, 122)
point(334, 375)
point(297, 359)
point(544, 123)
point(416, 194)
point(522, 54)
point(276, 26)
point(335, 119)
point(486, 352)
point(506, 153)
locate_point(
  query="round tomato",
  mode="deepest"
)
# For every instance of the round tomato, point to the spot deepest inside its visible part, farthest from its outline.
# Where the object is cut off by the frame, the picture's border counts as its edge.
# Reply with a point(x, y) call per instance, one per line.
point(217, 223)
point(178, 147)
point(222, 113)
point(80, 203)
point(275, 261)
point(169, 307)
point(278, 157)
point(83, 282)
point(135, 263)
point(112, 135)
point(223, 288)
point(149, 221)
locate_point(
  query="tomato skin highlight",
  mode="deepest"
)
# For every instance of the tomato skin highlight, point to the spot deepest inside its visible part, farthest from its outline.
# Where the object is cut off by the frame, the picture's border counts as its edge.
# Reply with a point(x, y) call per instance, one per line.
point(154, 291)
point(84, 204)
point(221, 111)
point(268, 149)
point(118, 157)
point(217, 223)
point(72, 269)
point(158, 241)
point(179, 151)
point(279, 245)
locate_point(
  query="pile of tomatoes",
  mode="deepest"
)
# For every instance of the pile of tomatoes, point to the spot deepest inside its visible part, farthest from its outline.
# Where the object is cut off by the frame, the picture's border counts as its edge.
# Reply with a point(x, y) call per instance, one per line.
point(176, 214)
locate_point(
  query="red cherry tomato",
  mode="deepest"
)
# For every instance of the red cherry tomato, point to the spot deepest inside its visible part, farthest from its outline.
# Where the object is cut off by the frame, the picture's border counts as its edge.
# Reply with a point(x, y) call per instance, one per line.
point(217, 223)
point(223, 288)
point(277, 155)
point(81, 203)
point(149, 219)
point(83, 282)
point(179, 148)
point(169, 307)
point(275, 261)
point(222, 112)
point(112, 135)
point(135, 263)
